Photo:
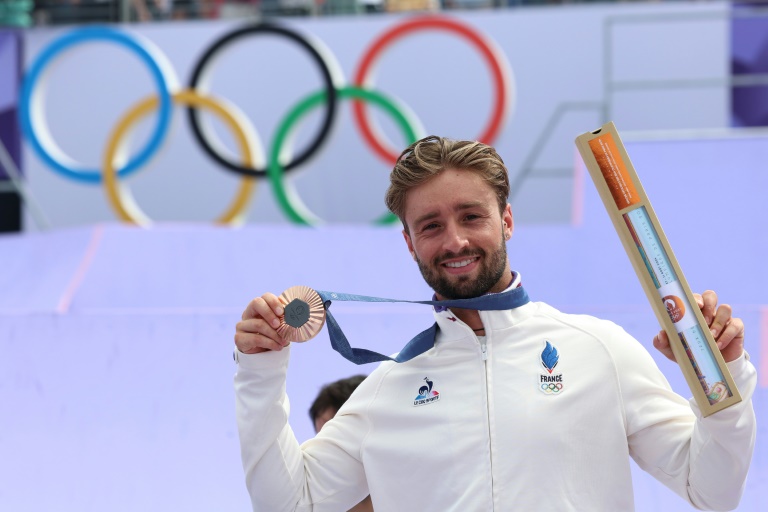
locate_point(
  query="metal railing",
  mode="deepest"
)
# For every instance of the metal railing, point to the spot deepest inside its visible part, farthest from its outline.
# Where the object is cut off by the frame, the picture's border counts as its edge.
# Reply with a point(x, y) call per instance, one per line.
point(753, 9)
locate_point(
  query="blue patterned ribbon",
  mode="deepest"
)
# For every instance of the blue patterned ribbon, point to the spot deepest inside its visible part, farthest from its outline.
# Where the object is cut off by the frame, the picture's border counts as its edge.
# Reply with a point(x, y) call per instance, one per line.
point(423, 341)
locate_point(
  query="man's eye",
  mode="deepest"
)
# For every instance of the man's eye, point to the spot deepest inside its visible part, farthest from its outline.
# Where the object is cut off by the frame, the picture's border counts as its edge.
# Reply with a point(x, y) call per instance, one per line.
point(429, 226)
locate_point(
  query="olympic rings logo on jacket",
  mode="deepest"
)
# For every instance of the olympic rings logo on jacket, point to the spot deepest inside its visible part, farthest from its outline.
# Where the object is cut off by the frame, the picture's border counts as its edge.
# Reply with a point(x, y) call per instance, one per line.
point(253, 163)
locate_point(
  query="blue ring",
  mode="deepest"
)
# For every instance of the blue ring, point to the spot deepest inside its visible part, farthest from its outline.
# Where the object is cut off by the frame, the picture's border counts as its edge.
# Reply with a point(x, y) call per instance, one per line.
point(80, 36)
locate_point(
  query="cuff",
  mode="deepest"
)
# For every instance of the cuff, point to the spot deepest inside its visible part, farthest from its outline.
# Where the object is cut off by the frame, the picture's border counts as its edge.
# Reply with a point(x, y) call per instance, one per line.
point(743, 373)
point(263, 360)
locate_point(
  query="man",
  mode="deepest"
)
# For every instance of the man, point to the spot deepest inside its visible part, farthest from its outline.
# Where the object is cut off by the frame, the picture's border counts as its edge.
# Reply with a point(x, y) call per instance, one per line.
point(325, 406)
point(485, 436)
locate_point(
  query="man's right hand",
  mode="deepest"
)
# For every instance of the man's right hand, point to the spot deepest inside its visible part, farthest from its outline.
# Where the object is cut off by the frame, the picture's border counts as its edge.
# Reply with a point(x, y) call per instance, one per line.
point(256, 332)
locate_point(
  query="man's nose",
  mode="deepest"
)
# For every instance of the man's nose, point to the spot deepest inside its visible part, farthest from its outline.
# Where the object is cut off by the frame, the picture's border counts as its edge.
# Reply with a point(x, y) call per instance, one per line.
point(455, 238)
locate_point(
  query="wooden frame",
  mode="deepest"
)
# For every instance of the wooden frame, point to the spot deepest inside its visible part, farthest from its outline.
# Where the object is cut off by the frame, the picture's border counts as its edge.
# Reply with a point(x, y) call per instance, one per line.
point(654, 262)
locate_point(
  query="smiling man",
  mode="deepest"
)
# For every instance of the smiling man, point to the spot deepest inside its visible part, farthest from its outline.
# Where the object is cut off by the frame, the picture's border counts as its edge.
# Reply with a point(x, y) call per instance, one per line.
point(454, 265)
point(455, 223)
point(521, 408)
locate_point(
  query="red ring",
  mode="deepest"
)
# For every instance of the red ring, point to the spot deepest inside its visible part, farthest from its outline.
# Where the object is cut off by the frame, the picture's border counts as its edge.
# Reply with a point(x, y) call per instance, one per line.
point(500, 79)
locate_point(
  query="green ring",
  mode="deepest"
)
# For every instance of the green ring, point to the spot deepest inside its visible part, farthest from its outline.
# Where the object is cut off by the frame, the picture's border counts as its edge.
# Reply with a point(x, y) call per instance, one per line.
point(287, 198)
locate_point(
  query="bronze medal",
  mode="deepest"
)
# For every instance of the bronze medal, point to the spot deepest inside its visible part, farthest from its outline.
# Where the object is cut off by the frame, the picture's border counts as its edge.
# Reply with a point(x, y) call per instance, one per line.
point(304, 315)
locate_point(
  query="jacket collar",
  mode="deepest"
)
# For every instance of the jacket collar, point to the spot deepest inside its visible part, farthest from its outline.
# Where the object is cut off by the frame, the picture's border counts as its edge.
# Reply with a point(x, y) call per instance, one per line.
point(451, 328)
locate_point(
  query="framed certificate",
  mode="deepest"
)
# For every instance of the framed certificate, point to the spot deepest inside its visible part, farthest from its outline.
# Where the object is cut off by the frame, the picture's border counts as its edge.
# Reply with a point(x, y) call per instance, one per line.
point(654, 262)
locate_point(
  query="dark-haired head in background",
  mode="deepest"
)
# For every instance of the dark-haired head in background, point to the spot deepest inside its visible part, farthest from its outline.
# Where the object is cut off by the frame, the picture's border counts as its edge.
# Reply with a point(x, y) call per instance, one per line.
point(327, 403)
point(330, 399)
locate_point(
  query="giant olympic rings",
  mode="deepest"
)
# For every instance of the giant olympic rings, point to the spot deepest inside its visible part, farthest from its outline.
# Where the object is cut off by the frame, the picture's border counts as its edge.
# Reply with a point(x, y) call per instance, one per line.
point(328, 69)
point(120, 197)
point(250, 165)
point(30, 105)
point(492, 57)
point(289, 201)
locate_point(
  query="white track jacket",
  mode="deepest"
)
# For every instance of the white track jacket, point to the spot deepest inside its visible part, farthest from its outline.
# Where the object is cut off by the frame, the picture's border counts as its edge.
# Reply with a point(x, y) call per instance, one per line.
point(482, 425)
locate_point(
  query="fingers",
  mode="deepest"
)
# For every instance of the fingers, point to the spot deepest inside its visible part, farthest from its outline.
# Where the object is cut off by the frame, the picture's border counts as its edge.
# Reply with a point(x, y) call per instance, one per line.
point(661, 343)
point(721, 319)
point(255, 342)
point(256, 332)
point(731, 340)
point(268, 307)
point(733, 331)
point(708, 305)
point(727, 330)
point(699, 300)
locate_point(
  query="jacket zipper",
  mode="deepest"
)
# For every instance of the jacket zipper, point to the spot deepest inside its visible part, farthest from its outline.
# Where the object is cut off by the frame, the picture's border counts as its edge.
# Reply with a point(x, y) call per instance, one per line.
point(484, 351)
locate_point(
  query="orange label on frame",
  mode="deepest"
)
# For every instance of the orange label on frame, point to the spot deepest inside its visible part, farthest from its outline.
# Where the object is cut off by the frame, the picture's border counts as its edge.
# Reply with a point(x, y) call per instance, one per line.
point(614, 171)
point(675, 307)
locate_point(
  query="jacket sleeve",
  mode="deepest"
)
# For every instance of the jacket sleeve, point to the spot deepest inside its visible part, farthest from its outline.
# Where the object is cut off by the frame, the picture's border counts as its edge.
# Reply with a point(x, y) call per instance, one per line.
point(323, 475)
point(704, 460)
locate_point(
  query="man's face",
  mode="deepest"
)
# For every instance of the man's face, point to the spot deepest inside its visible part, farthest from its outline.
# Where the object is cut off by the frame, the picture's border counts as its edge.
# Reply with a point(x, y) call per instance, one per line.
point(457, 235)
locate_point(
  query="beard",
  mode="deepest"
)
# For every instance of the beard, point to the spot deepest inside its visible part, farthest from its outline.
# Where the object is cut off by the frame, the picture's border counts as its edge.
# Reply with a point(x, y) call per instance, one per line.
point(492, 269)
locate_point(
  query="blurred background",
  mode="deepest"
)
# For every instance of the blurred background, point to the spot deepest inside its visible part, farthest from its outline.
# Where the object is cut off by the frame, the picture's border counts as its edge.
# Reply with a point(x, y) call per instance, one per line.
point(119, 297)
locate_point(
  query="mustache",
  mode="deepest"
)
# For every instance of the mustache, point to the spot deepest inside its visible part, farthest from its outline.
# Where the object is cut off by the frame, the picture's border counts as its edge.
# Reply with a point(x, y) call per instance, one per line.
point(465, 253)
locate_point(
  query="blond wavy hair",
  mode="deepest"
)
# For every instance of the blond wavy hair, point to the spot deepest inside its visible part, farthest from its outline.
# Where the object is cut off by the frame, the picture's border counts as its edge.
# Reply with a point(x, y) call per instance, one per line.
point(428, 157)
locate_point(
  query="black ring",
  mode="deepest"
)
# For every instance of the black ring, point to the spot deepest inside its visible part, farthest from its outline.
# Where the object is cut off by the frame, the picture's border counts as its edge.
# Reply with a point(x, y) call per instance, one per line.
point(330, 93)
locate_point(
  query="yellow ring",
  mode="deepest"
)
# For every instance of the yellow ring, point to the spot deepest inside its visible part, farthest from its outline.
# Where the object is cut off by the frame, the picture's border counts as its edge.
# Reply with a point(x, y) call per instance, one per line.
point(119, 195)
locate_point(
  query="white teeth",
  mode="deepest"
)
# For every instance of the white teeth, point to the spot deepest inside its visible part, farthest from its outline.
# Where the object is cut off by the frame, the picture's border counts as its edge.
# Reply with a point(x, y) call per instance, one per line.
point(457, 264)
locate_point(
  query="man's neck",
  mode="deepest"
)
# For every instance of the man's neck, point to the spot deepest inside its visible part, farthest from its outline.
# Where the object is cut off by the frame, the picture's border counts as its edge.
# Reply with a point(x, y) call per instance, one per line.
point(471, 317)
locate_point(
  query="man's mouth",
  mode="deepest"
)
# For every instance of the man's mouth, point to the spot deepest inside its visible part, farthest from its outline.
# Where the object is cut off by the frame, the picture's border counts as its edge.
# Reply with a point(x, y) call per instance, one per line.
point(461, 263)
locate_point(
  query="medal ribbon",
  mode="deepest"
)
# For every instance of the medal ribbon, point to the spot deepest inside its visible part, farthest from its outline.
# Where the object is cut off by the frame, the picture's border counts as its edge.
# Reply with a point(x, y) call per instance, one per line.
point(423, 341)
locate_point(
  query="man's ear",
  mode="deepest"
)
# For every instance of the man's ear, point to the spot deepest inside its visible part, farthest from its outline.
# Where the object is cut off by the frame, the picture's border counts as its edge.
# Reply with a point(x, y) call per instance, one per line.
point(507, 222)
point(408, 242)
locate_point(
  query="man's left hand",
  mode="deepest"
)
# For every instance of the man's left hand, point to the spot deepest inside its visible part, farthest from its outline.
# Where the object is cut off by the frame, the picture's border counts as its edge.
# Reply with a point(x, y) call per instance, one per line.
point(727, 330)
